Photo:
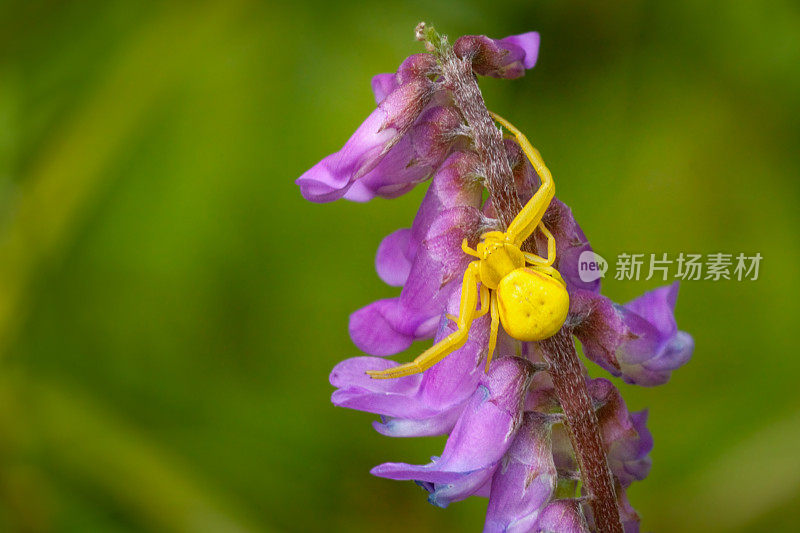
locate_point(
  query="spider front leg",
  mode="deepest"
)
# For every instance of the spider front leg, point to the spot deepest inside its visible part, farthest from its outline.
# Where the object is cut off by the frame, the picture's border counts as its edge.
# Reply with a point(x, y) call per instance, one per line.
point(485, 298)
point(495, 326)
point(469, 251)
point(551, 249)
point(524, 224)
point(454, 341)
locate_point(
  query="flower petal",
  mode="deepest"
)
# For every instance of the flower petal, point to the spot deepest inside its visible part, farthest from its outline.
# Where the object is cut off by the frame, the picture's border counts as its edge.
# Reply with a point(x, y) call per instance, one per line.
point(417, 66)
point(658, 308)
point(629, 516)
point(373, 329)
point(439, 424)
point(528, 43)
point(503, 58)
point(456, 377)
point(479, 439)
point(563, 516)
point(413, 159)
point(420, 404)
point(600, 328)
point(625, 435)
point(359, 391)
point(373, 141)
point(469, 448)
point(383, 85)
point(571, 242)
point(526, 481)
point(676, 353)
point(638, 341)
point(454, 185)
point(389, 326)
point(392, 260)
point(395, 174)
point(329, 179)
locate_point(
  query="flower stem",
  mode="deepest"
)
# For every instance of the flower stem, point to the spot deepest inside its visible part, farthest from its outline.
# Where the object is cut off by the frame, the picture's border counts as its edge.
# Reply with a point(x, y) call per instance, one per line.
point(458, 77)
point(584, 430)
point(565, 367)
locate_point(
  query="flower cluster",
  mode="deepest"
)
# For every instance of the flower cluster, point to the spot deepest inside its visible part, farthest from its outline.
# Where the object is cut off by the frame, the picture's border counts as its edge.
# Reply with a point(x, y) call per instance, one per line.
point(507, 437)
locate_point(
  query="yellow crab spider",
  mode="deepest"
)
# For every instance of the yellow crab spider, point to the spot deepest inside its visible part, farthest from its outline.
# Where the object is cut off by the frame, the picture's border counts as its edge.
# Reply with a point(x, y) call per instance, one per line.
point(520, 290)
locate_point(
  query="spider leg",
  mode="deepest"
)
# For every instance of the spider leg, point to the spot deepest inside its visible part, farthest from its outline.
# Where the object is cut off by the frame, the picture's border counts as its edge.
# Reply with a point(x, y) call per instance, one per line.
point(485, 301)
point(552, 272)
point(534, 259)
point(497, 234)
point(454, 341)
point(551, 244)
point(551, 249)
point(485, 297)
point(493, 331)
point(469, 251)
point(531, 214)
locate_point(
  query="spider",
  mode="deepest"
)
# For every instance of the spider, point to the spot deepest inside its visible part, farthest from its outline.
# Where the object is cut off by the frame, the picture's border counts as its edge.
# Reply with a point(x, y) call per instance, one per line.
point(520, 290)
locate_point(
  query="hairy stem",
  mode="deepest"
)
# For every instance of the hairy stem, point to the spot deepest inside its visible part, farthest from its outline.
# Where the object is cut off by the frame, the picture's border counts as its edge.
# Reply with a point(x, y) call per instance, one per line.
point(565, 367)
point(458, 77)
point(584, 430)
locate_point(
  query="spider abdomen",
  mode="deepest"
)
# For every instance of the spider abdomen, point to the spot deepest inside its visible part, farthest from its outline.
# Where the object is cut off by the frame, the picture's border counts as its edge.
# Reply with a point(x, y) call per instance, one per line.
point(532, 305)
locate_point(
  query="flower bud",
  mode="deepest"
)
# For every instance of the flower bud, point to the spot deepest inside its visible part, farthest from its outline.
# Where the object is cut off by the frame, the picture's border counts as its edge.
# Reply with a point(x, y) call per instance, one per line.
point(504, 58)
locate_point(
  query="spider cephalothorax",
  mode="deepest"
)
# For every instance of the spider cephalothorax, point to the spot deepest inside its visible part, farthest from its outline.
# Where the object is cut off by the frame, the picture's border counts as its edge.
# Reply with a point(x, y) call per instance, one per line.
point(520, 290)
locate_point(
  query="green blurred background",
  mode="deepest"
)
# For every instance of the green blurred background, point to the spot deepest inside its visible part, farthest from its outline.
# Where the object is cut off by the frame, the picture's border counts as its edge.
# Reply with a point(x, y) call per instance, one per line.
point(170, 308)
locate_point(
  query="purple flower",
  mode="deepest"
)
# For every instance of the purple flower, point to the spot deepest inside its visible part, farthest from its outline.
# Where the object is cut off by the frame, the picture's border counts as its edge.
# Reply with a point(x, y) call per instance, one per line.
point(395, 147)
point(426, 259)
point(638, 341)
point(524, 485)
point(629, 516)
point(421, 401)
point(625, 436)
point(507, 435)
point(627, 440)
point(381, 158)
point(504, 58)
point(483, 432)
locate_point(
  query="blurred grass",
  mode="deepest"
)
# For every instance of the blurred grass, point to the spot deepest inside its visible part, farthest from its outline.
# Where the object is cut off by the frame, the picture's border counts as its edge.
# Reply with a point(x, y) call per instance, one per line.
point(170, 308)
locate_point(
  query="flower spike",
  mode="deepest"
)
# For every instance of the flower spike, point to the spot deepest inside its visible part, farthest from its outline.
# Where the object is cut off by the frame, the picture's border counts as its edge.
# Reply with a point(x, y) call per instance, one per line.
point(495, 284)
